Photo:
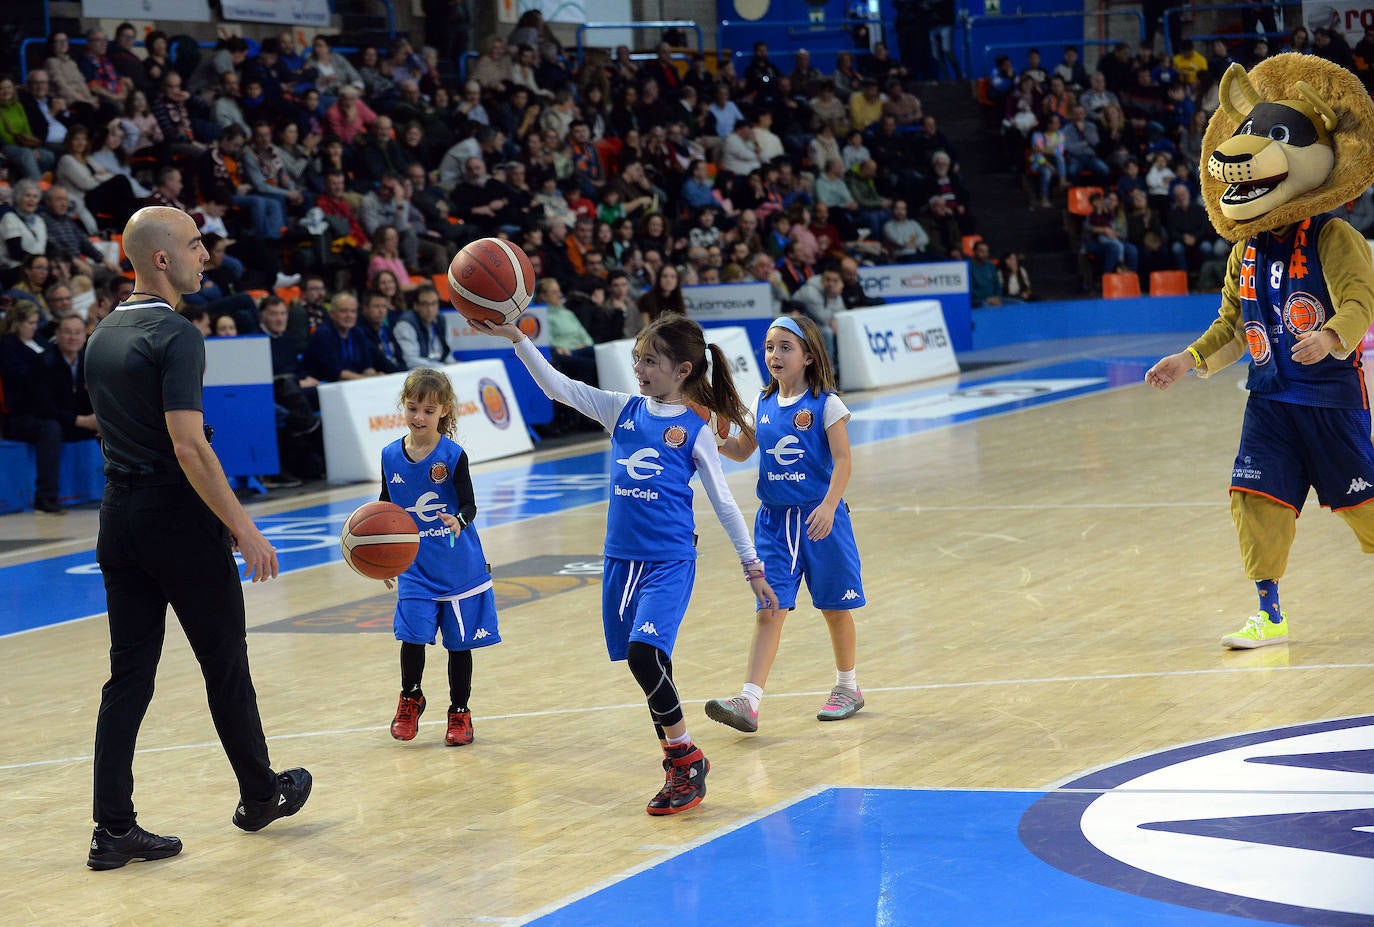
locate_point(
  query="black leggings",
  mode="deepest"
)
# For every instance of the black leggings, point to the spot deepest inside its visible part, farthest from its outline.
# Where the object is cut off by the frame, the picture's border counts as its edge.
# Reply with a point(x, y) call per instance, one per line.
point(459, 672)
point(653, 670)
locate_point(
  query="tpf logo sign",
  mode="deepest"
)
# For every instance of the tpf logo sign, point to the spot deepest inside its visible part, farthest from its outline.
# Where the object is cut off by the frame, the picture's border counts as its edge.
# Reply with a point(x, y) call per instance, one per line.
point(882, 343)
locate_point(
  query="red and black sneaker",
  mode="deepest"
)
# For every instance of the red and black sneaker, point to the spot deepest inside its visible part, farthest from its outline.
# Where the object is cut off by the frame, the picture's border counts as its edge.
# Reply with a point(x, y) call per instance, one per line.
point(407, 721)
point(661, 802)
point(459, 732)
point(686, 785)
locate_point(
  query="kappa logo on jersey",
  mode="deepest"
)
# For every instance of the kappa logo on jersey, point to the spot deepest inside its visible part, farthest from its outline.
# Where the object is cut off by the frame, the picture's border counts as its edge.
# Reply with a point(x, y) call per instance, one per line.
point(481, 633)
point(1193, 825)
point(803, 420)
point(675, 436)
point(427, 507)
point(786, 452)
point(1358, 484)
point(396, 478)
point(642, 464)
point(763, 420)
point(1257, 341)
point(627, 425)
point(647, 628)
point(849, 595)
point(438, 472)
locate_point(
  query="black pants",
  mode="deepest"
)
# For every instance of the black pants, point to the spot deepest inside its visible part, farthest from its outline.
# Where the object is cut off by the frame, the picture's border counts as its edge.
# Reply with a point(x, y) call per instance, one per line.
point(161, 545)
point(45, 434)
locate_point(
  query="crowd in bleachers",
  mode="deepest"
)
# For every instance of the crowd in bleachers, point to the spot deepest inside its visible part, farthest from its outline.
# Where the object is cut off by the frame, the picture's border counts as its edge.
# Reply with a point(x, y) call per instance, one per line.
point(342, 184)
point(1128, 135)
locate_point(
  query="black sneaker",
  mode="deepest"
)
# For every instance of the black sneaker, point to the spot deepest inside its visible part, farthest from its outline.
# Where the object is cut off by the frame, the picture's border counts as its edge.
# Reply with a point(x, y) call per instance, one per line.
point(111, 852)
point(293, 788)
point(49, 506)
point(686, 784)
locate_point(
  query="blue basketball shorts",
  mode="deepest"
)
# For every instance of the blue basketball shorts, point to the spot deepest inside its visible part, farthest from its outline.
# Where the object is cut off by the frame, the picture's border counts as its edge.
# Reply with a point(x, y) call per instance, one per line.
point(466, 622)
point(1285, 448)
point(644, 600)
point(830, 566)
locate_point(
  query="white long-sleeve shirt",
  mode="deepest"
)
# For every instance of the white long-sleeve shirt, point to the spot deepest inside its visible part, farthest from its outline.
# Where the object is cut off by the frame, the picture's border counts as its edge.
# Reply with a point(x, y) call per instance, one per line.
point(605, 406)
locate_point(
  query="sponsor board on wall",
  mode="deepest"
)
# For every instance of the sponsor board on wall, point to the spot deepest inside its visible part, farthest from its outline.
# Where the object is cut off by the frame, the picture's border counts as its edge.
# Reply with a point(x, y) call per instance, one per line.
point(363, 416)
point(896, 343)
point(728, 302)
point(193, 11)
point(282, 12)
point(937, 278)
point(464, 339)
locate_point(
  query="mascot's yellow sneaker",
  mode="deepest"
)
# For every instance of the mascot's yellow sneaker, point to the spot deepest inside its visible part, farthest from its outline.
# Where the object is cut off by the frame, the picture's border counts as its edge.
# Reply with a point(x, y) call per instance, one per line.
point(1259, 631)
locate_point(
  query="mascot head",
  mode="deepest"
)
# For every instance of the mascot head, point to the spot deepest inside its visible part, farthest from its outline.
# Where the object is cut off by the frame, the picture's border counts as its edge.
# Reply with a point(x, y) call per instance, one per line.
point(1291, 139)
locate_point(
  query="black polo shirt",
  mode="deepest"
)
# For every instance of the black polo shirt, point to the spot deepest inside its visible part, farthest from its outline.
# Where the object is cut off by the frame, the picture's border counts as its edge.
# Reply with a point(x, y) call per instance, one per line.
point(142, 361)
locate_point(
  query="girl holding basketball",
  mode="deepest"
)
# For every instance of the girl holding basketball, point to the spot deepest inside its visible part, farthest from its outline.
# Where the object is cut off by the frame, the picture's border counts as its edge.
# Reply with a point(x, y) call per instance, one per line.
point(448, 588)
point(650, 563)
point(802, 527)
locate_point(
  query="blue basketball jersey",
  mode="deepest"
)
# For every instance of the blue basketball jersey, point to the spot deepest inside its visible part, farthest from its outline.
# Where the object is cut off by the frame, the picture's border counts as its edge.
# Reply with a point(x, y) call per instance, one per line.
point(794, 453)
point(650, 515)
point(1283, 293)
point(424, 489)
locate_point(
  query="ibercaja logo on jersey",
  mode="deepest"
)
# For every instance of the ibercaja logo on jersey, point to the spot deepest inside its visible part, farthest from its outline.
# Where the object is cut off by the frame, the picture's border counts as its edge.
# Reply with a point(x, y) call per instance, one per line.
point(438, 473)
point(803, 420)
point(675, 436)
point(494, 402)
point(1275, 826)
point(1257, 342)
point(529, 325)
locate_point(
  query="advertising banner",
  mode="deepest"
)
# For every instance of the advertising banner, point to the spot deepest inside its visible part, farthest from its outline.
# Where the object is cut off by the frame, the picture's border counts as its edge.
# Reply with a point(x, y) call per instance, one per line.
point(281, 12)
point(615, 369)
point(891, 344)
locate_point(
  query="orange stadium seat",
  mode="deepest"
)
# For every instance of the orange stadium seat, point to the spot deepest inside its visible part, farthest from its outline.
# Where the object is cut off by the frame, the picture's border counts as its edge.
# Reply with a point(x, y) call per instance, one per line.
point(968, 243)
point(440, 282)
point(1120, 286)
point(1079, 198)
point(1169, 283)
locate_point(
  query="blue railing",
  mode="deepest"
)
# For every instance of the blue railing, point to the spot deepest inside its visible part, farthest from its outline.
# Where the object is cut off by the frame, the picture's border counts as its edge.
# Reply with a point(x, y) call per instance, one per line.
point(1169, 14)
point(797, 30)
point(651, 24)
point(968, 23)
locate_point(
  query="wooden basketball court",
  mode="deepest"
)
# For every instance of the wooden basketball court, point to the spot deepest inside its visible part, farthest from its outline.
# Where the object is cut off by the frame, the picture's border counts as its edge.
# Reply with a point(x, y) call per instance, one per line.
point(1047, 586)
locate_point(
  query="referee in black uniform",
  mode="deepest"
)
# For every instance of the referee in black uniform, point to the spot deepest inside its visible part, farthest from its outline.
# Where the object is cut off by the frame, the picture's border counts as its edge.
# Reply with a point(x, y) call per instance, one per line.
point(169, 524)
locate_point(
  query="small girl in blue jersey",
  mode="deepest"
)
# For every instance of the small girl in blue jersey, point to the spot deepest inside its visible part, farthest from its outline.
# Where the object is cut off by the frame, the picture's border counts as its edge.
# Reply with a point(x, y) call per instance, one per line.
point(802, 528)
point(657, 444)
point(448, 587)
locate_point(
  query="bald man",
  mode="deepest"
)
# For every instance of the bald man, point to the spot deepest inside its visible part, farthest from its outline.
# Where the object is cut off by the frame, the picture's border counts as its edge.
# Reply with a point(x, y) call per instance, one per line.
point(169, 524)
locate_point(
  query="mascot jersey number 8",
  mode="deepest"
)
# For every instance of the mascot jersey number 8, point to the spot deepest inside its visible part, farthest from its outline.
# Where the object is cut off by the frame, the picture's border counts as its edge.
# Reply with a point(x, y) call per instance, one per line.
point(1291, 141)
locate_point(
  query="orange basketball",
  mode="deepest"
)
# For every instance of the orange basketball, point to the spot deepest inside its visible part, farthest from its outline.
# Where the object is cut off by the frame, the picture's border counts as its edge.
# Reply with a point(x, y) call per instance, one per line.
point(491, 280)
point(379, 540)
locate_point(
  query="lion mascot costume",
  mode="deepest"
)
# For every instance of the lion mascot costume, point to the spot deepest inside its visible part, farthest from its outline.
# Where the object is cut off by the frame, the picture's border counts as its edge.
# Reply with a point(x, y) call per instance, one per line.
point(1291, 140)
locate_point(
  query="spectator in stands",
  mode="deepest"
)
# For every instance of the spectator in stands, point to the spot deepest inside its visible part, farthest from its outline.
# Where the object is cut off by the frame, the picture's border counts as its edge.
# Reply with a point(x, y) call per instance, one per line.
point(1117, 68)
point(569, 342)
point(48, 115)
point(984, 279)
point(865, 105)
point(31, 287)
point(1080, 151)
point(110, 155)
point(1191, 237)
point(1057, 99)
point(374, 321)
point(173, 116)
point(226, 111)
point(492, 69)
point(1190, 65)
point(386, 255)
point(66, 380)
point(1022, 107)
point(141, 131)
point(761, 78)
point(99, 198)
point(420, 333)
point(944, 182)
point(822, 299)
point(904, 237)
point(1047, 157)
point(343, 220)
point(1003, 78)
point(483, 201)
point(664, 296)
point(22, 227)
point(794, 271)
point(1035, 68)
point(349, 117)
point(32, 418)
point(19, 140)
point(388, 205)
point(68, 83)
point(872, 208)
point(942, 228)
point(224, 326)
point(1070, 69)
point(310, 312)
point(69, 242)
point(338, 350)
point(327, 72)
point(1097, 97)
point(377, 154)
point(101, 76)
point(1104, 235)
point(1016, 285)
point(228, 56)
point(221, 164)
point(1331, 45)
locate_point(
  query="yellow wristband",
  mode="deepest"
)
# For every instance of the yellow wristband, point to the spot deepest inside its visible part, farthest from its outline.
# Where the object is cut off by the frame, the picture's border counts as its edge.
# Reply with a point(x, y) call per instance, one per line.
point(1197, 358)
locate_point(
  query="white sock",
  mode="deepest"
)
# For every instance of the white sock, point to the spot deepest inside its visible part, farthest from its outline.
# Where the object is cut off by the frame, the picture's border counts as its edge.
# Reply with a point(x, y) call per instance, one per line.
point(847, 679)
point(686, 738)
point(753, 694)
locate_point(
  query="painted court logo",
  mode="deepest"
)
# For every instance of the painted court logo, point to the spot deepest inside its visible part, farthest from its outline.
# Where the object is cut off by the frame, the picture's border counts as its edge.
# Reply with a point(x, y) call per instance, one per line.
point(1275, 826)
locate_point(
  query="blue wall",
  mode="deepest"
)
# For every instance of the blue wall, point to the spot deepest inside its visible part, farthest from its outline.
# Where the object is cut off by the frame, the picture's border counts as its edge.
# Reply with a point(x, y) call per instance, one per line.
point(996, 326)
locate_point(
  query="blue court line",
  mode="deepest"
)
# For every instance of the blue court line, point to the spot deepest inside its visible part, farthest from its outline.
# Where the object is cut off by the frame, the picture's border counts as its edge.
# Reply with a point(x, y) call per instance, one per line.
point(308, 536)
point(858, 857)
